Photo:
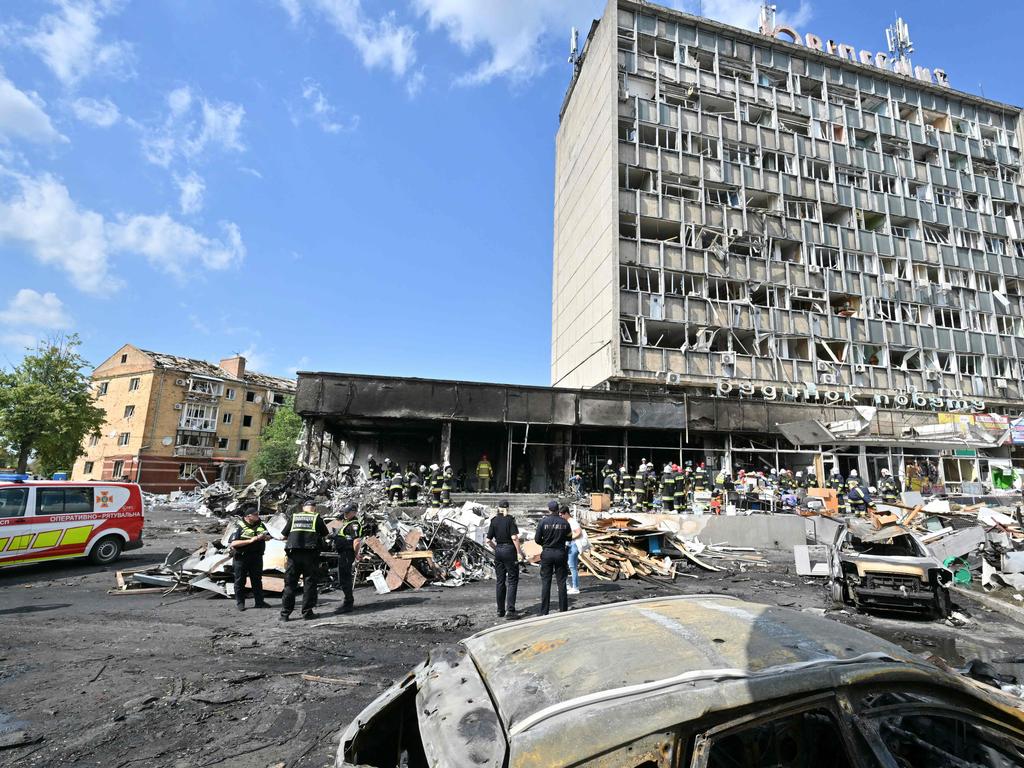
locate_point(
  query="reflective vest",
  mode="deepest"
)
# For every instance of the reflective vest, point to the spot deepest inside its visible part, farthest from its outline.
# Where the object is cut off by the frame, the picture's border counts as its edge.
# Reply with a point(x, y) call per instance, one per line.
point(396, 483)
point(483, 469)
point(668, 485)
point(304, 521)
point(246, 531)
point(303, 533)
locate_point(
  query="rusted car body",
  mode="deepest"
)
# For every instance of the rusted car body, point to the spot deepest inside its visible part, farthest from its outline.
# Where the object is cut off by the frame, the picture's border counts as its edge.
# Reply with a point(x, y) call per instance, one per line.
point(888, 570)
point(672, 682)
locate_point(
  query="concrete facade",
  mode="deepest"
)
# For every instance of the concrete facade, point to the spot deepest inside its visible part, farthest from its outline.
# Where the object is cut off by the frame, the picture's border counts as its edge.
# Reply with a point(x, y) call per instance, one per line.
point(173, 422)
point(782, 215)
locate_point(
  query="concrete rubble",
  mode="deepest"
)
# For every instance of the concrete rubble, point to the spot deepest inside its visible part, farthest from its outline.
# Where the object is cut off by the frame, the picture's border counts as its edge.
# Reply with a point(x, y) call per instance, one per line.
point(404, 547)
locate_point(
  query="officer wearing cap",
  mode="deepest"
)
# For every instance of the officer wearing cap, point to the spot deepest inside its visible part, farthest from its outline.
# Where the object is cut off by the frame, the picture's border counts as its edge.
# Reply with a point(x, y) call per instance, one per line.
point(553, 534)
point(503, 538)
point(303, 532)
point(247, 545)
point(348, 542)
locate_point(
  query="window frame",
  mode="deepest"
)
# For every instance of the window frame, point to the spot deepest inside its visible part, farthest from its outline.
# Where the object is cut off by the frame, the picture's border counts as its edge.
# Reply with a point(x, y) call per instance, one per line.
point(123, 439)
point(246, 420)
point(41, 491)
point(24, 505)
point(117, 470)
point(243, 445)
point(704, 739)
point(134, 383)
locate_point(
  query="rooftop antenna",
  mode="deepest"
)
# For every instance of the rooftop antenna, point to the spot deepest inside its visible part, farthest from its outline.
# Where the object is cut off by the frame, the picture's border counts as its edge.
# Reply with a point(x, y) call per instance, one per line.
point(766, 21)
point(574, 46)
point(898, 37)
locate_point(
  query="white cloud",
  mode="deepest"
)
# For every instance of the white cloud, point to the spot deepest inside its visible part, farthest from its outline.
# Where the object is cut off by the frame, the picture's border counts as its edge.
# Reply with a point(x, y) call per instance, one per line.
point(301, 365)
point(511, 33)
point(70, 42)
point(255, 360)
point(744, 13)
point(381, 42)
point(22, 115)
point(99, 112)
point(193, 126)
point(174, 247)
point(323, 112)
point(16, 340)
point(513, 36)
point(40, 214)
point(31, 309)
point(191, 187)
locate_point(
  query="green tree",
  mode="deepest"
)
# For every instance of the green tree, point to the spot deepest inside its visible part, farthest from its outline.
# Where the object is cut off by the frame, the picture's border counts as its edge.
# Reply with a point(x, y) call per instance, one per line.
point(47, 405)
point(279, 450)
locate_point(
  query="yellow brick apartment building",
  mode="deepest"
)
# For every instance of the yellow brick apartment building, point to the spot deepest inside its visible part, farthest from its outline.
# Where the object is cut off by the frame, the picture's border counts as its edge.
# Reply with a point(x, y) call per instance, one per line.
point(176, 422)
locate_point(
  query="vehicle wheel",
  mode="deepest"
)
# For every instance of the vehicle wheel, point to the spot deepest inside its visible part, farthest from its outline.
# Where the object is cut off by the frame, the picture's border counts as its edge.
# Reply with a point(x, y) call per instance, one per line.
point(943, 604)
point(838, 592)
point(107, 550)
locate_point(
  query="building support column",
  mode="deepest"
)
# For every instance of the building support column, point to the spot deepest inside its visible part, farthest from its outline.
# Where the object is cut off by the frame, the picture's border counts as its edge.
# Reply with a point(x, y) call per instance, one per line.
point(446, 442)
point(727, 456)
point(862, 463)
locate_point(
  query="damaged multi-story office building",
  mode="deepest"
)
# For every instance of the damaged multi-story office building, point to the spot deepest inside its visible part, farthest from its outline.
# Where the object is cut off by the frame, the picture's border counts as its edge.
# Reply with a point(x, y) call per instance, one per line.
point(770, 249)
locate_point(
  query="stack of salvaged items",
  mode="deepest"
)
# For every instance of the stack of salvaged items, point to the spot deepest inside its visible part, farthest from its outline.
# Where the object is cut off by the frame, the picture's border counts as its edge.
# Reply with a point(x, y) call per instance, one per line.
point(623, 548)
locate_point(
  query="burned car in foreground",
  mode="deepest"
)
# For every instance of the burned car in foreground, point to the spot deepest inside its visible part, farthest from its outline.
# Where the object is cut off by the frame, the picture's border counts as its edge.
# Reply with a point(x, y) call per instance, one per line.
point(694, 681)
point(887, 570)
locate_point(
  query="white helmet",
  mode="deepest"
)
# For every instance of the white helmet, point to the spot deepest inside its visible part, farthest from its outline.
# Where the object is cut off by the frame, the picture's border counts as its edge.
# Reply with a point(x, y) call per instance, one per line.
point(422, 467)
point(799, 473)
point(885, 472)
point(853, 473)
point(434, 467)
point(835, 470)
point(609, 462)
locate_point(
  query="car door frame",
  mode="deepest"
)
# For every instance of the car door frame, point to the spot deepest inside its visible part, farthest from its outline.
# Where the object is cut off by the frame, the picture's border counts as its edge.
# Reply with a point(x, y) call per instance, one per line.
point(705, 738)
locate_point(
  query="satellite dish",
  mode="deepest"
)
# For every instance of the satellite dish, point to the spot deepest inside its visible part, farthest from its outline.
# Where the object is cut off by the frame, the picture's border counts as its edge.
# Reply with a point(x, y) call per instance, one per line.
point(112, 433)
point(167, 440)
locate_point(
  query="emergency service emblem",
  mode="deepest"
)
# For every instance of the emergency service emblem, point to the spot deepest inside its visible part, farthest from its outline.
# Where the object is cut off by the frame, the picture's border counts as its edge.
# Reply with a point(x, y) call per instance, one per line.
point(104, 499)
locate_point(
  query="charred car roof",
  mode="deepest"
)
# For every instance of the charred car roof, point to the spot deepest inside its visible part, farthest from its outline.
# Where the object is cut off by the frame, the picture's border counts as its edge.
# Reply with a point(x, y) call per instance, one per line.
point(559, 689)
point(535, 667)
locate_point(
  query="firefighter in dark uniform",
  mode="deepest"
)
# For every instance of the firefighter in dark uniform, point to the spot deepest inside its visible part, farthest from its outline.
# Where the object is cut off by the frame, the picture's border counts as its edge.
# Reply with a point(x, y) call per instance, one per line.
point(858, 498)
point(303, 533)
point(435, 486)
point(348, 543)
point(889, 487)
point(413, 483)
point(640, 485)
point(373, 467)
point(396, 487)
point(786, 482)
point(700, 478)
point(609, 481)
point(247, 543)
point(668, 488)
point(807, 480)
point(679, 490)
point(447, 485)
point(553, 534)
point(838, 484)
point(503, 538)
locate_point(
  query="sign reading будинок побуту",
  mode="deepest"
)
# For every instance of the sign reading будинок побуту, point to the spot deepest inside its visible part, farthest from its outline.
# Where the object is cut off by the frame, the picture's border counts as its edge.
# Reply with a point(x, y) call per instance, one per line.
point(947, 400)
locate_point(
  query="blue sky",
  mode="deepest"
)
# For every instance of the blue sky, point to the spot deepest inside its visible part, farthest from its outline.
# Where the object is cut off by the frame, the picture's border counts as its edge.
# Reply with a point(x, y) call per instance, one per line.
point(326, 184)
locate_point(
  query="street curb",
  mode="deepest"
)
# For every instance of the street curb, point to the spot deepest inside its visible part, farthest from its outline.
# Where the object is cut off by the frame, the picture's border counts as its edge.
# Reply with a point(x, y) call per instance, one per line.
point(1000, 606)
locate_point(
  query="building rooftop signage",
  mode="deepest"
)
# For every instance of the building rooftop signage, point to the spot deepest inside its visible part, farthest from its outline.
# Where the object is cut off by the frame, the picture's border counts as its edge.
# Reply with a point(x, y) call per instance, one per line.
point(896, 61)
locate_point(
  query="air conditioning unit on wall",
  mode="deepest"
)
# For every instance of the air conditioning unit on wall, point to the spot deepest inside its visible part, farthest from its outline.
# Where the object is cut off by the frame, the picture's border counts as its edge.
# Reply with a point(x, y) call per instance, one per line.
point(828, 378)
point(728, 358)
point(860, 368)
point(178, 406)
point(931, 375)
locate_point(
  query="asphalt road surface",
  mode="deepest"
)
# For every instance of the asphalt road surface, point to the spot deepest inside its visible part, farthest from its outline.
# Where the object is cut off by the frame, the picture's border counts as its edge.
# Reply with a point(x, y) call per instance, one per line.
point(93, 679)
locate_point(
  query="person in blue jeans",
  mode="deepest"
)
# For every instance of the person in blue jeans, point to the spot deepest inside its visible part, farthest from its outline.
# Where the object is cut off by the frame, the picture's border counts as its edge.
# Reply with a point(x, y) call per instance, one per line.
point(578, 544)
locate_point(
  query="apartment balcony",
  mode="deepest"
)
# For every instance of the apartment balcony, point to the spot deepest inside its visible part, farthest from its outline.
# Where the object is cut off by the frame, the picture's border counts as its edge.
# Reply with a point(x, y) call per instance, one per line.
point(198, 424)
point(193, 452)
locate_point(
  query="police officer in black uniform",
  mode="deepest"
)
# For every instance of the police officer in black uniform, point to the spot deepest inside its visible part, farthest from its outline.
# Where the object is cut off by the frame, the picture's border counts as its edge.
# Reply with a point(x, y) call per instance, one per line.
point(553, 534)
point(303, 533)
point(503, 537)
point(348, 542)
point(247, 545)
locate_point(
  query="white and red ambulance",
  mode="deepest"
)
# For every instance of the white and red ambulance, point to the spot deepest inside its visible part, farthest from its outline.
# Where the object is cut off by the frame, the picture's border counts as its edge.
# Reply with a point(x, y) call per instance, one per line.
point(44, 520)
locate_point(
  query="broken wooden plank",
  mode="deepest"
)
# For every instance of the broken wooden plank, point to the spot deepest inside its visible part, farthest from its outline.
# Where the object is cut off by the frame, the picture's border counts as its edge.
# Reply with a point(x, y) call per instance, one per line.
point(400, 571)
point(410, 554)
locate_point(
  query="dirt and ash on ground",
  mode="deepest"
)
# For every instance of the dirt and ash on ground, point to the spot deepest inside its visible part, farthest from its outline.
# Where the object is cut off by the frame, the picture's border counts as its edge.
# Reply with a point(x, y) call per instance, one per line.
point(90, 679)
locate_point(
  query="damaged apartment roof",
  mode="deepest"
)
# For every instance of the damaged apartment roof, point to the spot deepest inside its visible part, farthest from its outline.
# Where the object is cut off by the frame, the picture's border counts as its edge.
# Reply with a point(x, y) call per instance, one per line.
point(203, 368)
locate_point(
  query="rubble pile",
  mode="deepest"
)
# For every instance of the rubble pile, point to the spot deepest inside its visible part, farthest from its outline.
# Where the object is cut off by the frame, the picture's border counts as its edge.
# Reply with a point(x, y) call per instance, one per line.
point(402, 548)
point(621, 547)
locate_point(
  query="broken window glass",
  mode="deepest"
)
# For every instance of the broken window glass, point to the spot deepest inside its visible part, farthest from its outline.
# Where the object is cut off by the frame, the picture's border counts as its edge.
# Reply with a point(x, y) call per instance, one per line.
point(801, 740)
point(937, 740)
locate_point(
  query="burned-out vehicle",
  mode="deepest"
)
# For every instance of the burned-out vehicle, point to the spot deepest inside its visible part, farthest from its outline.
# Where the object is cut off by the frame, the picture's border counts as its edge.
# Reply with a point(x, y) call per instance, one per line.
point(694, 681)
point(887, 570)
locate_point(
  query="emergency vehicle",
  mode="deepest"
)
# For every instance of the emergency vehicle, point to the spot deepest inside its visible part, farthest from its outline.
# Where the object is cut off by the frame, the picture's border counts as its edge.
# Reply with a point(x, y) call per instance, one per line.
point(52, 520)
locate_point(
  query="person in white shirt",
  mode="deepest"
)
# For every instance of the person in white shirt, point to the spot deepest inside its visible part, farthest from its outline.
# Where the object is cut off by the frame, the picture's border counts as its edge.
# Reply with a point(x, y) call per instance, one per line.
point(578, 544)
